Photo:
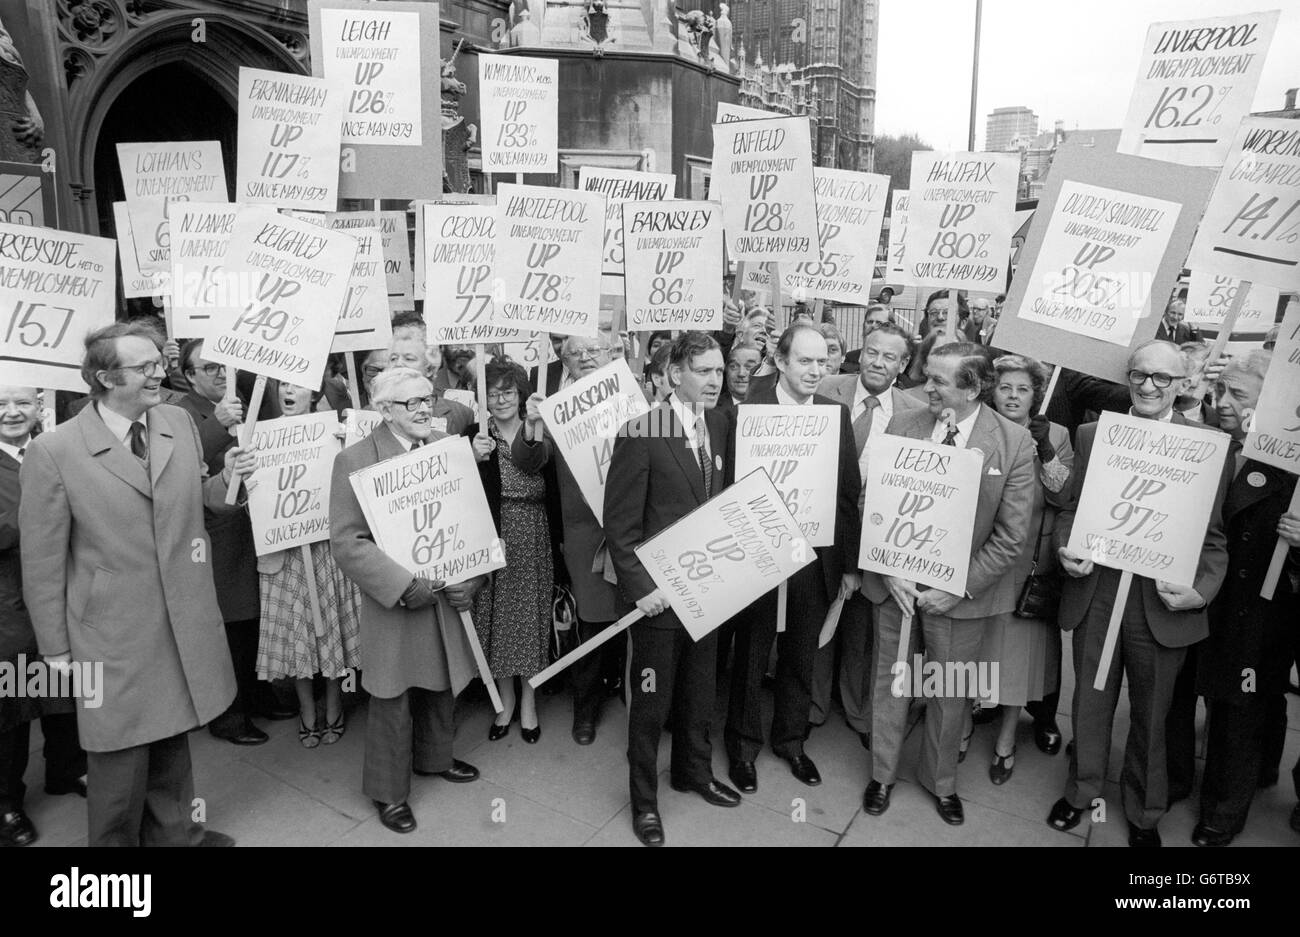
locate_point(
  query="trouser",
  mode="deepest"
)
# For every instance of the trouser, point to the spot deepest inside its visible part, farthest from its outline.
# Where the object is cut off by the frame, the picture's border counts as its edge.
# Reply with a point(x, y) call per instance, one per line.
point(946, 640)
point(1180, 731)
point(65, 762)
point(142, 796)
point(1152, 671)
point(1274, 737)
point(1043, 711)
point(242, 638)
point(806, 607)
point(413, 730)
point(852, 645)
point(670, 676)
point(1234, 757)
point(589, 674)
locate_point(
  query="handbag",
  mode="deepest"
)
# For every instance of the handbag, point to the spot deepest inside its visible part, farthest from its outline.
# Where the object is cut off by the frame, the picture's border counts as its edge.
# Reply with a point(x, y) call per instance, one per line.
point(564, 615)
point(1041, 595)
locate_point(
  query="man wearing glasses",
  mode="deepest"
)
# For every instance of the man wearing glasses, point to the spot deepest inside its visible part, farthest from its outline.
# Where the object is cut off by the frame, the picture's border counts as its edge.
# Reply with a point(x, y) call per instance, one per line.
point(1161, 620)
point(116, 569)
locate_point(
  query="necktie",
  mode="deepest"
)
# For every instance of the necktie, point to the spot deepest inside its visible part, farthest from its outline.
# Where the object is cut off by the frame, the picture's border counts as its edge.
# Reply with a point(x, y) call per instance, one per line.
point(21, 453)
point(951, 438)
point(416, 443)
point(862, 425)
point(139, 445)
point(701, 450)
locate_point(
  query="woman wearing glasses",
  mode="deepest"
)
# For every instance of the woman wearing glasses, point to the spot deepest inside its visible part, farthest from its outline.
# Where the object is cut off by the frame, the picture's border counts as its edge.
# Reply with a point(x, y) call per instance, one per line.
point(513, 613)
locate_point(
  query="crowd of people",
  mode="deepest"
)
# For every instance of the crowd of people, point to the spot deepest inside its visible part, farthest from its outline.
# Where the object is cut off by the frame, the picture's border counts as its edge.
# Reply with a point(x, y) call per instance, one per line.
point(118, 548)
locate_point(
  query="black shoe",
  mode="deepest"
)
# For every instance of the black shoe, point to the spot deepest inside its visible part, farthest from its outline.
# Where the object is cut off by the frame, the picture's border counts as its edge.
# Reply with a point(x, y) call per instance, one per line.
point(875, 799)
point(496, 733)
point(950, 810)
point(648, 828)
point(1064, 817)
point(397, 817)
point(17, 830)
point(1140, 837)
point(75, 786)
point(248, 734)
point(865, 739)
point(458, 773)
point(1208, 836)
point(1047, 736)
point(802, 767)
point(1002, 767)
point(743, 775)
point(531, 735)
point(584, 732)
point(214, 840)
point(715, 792)
point(983, 715)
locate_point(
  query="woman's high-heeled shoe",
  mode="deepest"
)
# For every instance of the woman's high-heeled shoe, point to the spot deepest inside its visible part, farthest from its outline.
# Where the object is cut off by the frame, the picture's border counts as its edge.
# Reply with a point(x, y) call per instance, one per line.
point(334, 730)
point(309, 738)
point(1002, 767)
point(496, 733)
point(531, 735)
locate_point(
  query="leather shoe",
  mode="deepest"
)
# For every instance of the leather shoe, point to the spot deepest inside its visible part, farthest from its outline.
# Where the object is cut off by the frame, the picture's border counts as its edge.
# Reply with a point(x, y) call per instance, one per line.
point(75, 786)
point(530, 735)
point(1140, 837)
point(1047, 736)
point(802, 767)
point(950, 810)
point(865, 739)
point(248, 734)
point(1208, 836)
point(875, 799)
point(744, 776)
point(214, 840)
point(648, 828)
point(496, 733)
point(1063, 817)
point(715, 792)
point(584, 733)
point(397, 817)
point(458, 773)
point(16, 829)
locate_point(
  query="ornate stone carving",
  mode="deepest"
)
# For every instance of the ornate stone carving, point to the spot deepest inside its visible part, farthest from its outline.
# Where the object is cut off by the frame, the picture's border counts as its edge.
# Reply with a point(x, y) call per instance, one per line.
point(91, 22)
point(294, 43)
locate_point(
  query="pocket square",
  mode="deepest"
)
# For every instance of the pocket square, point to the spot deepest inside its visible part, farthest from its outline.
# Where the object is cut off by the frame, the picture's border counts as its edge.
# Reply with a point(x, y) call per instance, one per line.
point(994, 470)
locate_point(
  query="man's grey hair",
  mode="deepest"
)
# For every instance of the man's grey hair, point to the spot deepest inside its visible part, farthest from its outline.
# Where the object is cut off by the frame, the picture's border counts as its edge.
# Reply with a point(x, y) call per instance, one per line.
point(1255, 362)
point(383, 389)
point(1153, 342)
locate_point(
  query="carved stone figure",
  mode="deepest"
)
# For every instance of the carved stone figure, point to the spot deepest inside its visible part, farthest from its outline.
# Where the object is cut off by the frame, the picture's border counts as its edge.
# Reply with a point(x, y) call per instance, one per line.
point(723, 32)
point(18, 110)
point(525, 32)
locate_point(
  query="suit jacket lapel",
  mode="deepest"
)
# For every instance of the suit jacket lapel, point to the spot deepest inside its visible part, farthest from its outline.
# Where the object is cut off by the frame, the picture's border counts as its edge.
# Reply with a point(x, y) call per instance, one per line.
point(984, 436)
point(386, 444)
point(1242, 494)
point(110, 452)
point(685, 455)
point(161, 444)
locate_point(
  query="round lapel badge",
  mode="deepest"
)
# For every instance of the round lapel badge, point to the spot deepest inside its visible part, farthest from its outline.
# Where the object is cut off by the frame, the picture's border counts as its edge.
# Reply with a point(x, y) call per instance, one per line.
point(1256, 479)
point(717, 461)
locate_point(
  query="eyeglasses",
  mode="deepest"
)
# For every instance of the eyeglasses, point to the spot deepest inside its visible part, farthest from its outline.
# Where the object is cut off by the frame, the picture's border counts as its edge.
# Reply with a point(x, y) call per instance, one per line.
point(509, 393)
point(590, 351)
point(413, 404)
point(1159, 379)
point(211, 370)
point(148, 370)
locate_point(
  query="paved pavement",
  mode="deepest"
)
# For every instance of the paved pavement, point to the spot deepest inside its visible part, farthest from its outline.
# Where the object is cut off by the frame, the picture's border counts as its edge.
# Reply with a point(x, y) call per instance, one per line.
point(560, 793)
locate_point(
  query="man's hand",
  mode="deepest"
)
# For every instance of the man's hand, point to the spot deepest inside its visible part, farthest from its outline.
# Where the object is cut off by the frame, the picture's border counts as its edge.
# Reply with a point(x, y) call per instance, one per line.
point(1178, 598)
point(421, 593)
point(483, 447)
point(533, 409)
point(732, 312)
point(937, 602)
point(239, 461)
point(1288, 528)
point(904, 593)
point(172, 352)
point(1076, 566)
point(461, 595)
point(652, 604)
point(850, 583)
point(229, 412)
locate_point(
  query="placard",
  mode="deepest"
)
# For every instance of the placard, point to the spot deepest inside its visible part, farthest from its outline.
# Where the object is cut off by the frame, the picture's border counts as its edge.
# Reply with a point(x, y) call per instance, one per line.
point(358, 424)
point(365, 322)
point(427, 511)
point(1093, 161)
point(397, 260)
point(763, 175)
point(383, 58)
point(200, 237)
point(1210, 295)
point(961, 221)
point(135, 285)
point(895, 268)
point(919, 520)
point(674, 265)
point(1275, 432)
point(1251, 228)
point(758, 279)
point(1195, 82)
point(55, 286)
point(459, 251)
point(799, 448)
point(288, 140)
point(620, 186)
point(519, 102)
point(420, 276)
point(298, 273)
point(154, 174)
point(27, 195)
point(1093, 272)
point(850, 211)
point(1147, 496)
point(737, 546)
point(583, 420)
point(290, 503)
point(728, 113)
point(548, 259)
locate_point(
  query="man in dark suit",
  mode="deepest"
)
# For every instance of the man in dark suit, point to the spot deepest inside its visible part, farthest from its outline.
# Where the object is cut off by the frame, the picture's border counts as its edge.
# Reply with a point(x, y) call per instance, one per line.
point(872, 401)
point(1160, 621)
point(959, 378)
point(801, 356)
point(666, 463)
point(1172, 328)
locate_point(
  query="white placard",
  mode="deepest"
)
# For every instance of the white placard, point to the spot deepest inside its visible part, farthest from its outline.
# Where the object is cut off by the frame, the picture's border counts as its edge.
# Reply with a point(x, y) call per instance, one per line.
point(1196, 81)
point(850, 211)
point(1147, 496)
point(895, 267)
point(397, 260)
point(1209, 296)
point(734, 548)
point(583, 420)
point(919, 518)
point(459, 251)
point(960, 217)
point(620, 186)
point(135, 285)
point(358, 424)
point(519, 100)
point(674, 265)
point(200, 238)
point(1275, 435)
point(365, 322)
point(727, 113)
point(1094, 272)
point(154, 174)
point(799, 448)
point(548, 259)
point(290, 503)
point(55, 286)
point(373, 56)
point(288, 140)
point(763, 175)
point(427, 511)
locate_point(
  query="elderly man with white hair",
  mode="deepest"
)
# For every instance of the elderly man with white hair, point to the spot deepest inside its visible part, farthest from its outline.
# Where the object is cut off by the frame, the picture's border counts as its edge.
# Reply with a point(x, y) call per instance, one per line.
point(417, 657)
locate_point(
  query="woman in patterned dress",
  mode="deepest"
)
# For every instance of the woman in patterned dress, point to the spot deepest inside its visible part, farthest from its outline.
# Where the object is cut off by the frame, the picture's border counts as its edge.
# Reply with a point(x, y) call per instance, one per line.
point(288, 645)
point(513, 614)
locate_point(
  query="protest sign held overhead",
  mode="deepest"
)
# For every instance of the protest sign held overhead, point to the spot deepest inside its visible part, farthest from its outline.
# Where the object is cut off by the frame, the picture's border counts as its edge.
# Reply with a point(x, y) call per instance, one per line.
point(674, 265)
point(135, 284)
point(1275, 432)
point(799, 448)
point(620, 186)
point(1210, 296)
point(519, 100)
point(290, 502)
point(200, 238)
point(459, 251)
point(894, 267)
point(155, 174)
point(920, 511)
point(397, 260)
point(1196, 81)
point(365, 322)
point(358, 424)
point(288, 140)
point(850, 211)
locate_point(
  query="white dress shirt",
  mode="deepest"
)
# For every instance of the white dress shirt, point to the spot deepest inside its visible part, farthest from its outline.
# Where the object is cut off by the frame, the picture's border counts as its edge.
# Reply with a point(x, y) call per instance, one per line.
point(687, 416)
point(964, 429)
point(12, 451)
point(884, 412)
point(119, 425)
point(786, 400)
